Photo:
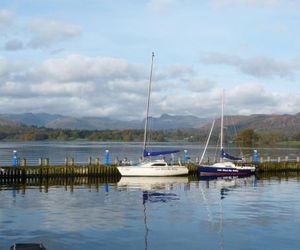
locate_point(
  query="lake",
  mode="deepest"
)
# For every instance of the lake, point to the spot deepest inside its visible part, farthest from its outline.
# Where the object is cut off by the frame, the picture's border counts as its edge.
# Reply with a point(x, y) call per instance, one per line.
point(82, 150)
point(146, 213)
point(153, 213)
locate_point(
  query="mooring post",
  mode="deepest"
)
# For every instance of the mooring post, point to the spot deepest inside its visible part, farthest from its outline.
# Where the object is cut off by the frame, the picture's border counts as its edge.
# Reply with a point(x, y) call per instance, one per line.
point(15, 159)
point(23, 162)
point(107, 160)
point(46, 162)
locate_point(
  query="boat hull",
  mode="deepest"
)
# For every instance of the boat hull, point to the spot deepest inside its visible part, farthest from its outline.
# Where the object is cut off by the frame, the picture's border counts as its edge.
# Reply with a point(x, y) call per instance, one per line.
point(223, 171)
point(153, 171)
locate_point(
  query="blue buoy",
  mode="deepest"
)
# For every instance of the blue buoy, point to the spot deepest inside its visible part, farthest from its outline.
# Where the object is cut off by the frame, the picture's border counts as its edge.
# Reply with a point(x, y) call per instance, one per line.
point(186, 157)
point(14, 159)
point(255, 157)
point(107, 160)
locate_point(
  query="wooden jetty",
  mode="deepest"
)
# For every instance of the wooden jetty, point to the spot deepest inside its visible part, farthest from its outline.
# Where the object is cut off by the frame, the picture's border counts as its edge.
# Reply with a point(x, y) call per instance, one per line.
point(94, 169)
point(29, 172)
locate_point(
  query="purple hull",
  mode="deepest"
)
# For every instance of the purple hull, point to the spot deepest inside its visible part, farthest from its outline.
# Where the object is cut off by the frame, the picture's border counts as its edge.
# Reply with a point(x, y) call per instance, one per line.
point(221, 171)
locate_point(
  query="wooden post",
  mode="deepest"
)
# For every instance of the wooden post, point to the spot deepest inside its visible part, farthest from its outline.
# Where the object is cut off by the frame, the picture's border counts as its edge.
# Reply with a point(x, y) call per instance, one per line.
point(90, 161)
point(46, 162)
point(23, 162)
point(66, 161)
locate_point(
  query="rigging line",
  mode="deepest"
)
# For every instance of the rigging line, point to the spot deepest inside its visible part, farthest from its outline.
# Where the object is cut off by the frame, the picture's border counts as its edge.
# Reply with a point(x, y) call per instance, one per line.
point(235, 134)
point(217, 147)
point(148, 104)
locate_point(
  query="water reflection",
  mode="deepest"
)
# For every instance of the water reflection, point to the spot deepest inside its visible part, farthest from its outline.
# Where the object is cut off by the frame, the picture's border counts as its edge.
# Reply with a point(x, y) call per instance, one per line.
point(69, 184)
point(153, 190)
point(215, 203)
point(152, 213)
point(151, 183)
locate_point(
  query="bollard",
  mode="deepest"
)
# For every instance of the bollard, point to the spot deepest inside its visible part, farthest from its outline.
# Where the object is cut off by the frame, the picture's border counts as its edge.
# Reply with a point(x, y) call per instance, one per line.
point(278, 159)
point(261, 159)
point(72, 161)
point(286, 159)
point(268, 159)
point(97, 161)
point(15, 159)
point(23, 162)
point(89, 161)
point(46, 162)
point(107, 160)
point(66, 161)
point(40, 162)
point(298, 159)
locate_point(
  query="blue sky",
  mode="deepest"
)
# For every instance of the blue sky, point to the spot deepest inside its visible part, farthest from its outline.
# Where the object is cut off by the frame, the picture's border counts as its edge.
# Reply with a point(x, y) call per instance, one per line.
point(92, 58)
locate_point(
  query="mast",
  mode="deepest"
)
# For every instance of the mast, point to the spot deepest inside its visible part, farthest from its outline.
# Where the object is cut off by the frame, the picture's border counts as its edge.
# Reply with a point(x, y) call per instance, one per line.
point(148, 104)
point(207, 141)
point(222, 125)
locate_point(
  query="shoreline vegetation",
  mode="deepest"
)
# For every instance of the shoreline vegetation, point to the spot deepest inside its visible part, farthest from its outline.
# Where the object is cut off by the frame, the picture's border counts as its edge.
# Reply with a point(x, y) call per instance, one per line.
point(245, 138)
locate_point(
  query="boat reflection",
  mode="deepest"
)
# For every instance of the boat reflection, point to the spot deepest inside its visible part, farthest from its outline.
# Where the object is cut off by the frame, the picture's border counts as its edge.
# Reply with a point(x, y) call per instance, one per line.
point(151, 183)
point(226, 183)
point(213, 191)
point(153, 190)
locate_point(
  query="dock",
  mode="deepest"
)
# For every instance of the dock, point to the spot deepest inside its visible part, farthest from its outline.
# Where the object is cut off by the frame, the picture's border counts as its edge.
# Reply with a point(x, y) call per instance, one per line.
point(23, 172)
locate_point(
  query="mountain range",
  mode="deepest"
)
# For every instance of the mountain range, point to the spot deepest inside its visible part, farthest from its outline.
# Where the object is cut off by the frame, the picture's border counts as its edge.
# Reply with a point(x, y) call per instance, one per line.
point(258, 122)
point(165, 121)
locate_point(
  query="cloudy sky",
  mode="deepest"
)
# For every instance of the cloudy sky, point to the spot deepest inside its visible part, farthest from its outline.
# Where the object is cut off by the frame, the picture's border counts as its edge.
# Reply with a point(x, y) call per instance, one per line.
point(92, 58)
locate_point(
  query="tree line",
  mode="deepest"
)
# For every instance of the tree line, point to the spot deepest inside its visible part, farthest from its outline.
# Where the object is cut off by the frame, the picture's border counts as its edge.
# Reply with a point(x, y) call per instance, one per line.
point(245, 138)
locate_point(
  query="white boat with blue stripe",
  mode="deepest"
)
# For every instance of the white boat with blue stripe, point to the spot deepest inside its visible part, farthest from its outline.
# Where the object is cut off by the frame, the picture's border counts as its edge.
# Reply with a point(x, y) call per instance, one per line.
point(148, 167)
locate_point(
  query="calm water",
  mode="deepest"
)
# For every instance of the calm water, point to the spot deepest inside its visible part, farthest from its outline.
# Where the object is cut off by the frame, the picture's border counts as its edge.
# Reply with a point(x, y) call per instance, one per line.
point(81, 151)
point(153, 213)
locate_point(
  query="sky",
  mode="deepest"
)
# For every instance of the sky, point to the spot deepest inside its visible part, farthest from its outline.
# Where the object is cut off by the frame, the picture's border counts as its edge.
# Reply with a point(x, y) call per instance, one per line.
point(93, 57)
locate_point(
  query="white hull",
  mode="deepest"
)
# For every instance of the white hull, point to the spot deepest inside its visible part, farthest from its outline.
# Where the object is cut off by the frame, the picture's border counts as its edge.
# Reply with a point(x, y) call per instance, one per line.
point(156, 168)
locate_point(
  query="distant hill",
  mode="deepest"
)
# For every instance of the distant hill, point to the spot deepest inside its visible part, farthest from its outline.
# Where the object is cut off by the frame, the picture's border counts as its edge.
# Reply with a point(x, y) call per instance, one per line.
point(259, 122)
point(285, 124)
point(8, 123)
point(30, 119)
point(101, 123)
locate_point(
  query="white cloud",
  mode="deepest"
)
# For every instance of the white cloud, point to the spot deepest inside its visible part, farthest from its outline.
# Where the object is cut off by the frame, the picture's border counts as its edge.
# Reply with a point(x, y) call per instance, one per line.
point(80, 68)
point(6, 18)
point(161, 5)
point(258, 67)
point(85, 86)
point(45, 32)
point(200, 85)
point(254, 3)
point(13, 45)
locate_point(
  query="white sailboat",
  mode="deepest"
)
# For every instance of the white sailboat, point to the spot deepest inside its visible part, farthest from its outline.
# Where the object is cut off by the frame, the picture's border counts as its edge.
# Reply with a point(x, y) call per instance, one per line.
point(225, 168)
point(148, 167)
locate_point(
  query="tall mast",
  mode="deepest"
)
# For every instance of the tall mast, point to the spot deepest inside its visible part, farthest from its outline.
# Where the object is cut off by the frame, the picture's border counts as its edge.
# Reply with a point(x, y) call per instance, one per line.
point(222, 123)
point(148, 104)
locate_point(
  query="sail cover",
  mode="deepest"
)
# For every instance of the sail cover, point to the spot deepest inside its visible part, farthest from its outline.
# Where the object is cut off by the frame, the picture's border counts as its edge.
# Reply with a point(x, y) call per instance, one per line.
point(228, 156)
point(157, 153)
